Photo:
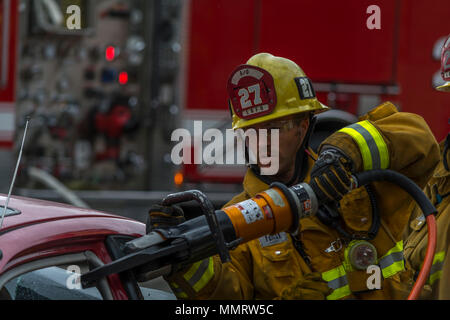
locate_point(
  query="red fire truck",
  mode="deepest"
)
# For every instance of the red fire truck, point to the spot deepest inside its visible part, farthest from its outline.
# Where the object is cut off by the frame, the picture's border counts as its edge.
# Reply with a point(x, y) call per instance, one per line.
point(353, 67)
point(8, 54)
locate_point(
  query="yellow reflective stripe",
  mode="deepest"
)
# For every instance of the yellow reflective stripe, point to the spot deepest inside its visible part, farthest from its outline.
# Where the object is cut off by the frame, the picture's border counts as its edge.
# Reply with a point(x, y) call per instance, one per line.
point(439, 257)
point(178, 291)
point(393, 269)
point(435, 276)
point(381, 144)
point(363, 147)
point(339, 293)
point(392, 262)
point(337, 280)
point(373, 148)
point(333, 274)
point(209, 273)
point(200, 273)
point(181, 294)
point(188, 275)
point(398, 248)
point(436, 268)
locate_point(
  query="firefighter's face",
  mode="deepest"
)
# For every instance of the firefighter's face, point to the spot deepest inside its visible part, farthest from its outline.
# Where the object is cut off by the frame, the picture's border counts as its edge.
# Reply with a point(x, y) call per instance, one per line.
point(291, 132)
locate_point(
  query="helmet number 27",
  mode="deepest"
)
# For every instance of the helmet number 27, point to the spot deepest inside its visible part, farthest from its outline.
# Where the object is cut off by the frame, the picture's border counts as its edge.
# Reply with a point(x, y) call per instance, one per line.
point(244, 93)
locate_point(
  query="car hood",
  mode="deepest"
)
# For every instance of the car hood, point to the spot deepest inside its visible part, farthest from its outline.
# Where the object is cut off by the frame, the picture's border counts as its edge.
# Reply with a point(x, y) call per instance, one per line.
point(25, 211)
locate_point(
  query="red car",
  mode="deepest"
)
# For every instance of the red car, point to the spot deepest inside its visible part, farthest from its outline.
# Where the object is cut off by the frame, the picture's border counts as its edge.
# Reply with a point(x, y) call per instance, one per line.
point(45, 245)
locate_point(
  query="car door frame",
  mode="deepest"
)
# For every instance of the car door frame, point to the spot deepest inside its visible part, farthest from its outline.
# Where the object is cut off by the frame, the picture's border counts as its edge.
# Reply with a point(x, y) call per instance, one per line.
point(81, 257)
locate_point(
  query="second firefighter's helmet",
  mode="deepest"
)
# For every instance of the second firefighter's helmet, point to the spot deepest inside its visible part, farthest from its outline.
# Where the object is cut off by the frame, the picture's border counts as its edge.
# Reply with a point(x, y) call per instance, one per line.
point(267, 88)
point(445, 66)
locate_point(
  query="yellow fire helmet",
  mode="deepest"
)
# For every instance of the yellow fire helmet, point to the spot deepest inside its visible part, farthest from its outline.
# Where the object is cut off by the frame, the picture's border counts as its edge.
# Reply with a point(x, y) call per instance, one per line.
point(267, 88)
point(445, 66)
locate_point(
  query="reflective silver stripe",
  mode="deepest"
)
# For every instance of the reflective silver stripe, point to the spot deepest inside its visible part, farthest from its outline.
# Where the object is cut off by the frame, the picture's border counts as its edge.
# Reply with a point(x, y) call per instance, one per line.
point(199, 273)
point(373, 147)
point(437, 266)
point(391, 259)
point(176, 290)
point(337, 280)
point(338, 283)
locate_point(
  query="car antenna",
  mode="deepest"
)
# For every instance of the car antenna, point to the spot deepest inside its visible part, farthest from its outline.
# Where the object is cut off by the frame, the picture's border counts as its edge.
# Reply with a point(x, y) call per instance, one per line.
point(15, 172)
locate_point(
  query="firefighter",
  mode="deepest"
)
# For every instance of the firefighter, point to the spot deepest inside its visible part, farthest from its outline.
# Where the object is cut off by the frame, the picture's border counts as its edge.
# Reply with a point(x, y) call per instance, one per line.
point(438, 191)
point(329, 255)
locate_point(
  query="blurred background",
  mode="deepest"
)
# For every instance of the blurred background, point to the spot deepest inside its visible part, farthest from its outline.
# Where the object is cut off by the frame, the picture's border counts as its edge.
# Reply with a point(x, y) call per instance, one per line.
point(105, 98)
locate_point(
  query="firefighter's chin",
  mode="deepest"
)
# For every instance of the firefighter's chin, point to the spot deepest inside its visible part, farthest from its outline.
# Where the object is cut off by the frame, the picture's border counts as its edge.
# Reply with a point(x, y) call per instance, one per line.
point(268, 167)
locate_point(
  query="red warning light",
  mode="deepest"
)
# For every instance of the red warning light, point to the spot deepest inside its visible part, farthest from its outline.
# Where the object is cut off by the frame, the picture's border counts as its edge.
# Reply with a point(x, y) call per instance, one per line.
point(123, 77)
point(110, 53)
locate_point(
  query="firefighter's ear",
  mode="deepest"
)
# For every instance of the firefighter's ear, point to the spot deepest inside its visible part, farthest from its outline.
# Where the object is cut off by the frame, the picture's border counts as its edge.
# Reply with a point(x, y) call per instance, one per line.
point(300, 131)
point(303, 127)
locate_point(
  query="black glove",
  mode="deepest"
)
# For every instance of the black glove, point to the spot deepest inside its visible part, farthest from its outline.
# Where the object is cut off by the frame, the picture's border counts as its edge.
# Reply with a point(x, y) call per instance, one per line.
point(164, 216)
point(331, 177)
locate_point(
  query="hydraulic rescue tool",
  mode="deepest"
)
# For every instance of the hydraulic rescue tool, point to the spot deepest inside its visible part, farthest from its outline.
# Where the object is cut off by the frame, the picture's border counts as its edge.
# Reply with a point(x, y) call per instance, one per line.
point(278, 209)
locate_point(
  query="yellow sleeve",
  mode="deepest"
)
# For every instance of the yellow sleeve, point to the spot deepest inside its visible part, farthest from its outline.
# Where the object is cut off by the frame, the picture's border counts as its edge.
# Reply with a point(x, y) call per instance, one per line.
point(387, 139)
point(212, 279)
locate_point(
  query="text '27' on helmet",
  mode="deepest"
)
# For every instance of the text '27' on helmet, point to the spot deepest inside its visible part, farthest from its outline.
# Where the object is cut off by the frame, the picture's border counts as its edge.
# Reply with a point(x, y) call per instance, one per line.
point(268, 88)
point(445, 66)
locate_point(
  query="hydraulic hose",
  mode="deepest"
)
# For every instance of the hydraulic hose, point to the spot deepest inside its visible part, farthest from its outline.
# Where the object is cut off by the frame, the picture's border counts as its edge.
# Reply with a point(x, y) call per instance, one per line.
point(428, 210)
point(429, 256)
